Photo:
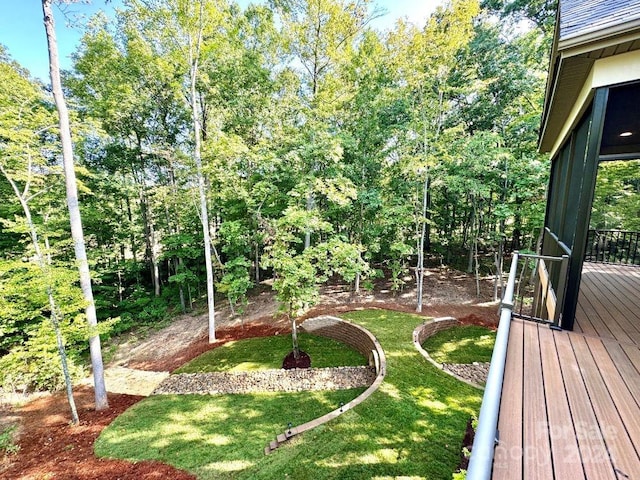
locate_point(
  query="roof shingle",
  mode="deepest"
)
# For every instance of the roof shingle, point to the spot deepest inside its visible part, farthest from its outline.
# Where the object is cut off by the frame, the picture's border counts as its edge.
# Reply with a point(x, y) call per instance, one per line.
point(580, 17)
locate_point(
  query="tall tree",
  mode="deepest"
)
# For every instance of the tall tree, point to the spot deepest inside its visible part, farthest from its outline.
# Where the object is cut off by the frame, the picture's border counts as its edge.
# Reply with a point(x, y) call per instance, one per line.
point(436, 49)
point(195, 19)
point(22, 125)
point(101, 401)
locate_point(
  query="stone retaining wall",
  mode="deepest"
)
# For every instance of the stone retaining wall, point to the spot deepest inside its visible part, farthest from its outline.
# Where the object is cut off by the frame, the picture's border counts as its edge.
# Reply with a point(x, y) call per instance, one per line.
point(345, 332)
point(354, 336)
point(430, 328)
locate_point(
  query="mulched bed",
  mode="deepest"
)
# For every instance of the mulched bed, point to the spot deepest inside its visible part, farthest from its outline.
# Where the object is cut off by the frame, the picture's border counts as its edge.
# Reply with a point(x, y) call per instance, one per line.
point(51, 448)
point(290, 361)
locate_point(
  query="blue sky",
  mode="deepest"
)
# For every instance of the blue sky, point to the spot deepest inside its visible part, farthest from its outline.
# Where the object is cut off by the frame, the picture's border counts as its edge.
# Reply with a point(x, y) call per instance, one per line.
point(22, 31)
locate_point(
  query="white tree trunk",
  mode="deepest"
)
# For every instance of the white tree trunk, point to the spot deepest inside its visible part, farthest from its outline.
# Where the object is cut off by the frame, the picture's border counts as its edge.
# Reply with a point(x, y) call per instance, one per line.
point(194, 53)
point(74, 208)
point(423, 233)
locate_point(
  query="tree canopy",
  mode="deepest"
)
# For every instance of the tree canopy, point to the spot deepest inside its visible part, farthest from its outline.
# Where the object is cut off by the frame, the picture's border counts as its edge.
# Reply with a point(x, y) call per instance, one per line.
point(219, 147)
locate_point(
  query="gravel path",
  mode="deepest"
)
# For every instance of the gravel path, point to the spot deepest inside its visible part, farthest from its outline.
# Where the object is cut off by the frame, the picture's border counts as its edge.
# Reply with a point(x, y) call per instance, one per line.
point(295, 380)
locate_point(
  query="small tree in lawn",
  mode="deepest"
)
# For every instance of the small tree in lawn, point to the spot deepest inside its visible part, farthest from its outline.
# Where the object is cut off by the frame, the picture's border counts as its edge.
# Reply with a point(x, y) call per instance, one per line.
point(294, 272)
point(298, 271)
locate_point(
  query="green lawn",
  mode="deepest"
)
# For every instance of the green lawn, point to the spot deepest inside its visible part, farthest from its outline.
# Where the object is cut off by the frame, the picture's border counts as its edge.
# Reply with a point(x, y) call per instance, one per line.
point(268, 352)
point(462, 344)
point(412, 427)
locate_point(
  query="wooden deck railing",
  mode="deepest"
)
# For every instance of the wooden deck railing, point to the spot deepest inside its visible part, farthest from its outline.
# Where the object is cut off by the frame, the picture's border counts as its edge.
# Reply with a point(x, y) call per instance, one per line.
point(617, 247)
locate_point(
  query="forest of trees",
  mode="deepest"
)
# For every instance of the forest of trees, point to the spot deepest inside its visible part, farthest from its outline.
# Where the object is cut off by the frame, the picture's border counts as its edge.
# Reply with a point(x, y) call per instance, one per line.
point(217, 147)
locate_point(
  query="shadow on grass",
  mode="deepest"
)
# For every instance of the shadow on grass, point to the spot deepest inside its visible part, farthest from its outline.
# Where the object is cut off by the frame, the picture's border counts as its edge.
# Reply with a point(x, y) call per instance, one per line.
point(411, 427)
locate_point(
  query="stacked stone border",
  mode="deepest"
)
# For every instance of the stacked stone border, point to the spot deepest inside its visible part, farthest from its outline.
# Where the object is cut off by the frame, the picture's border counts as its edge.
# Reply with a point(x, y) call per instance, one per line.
point(355, 336)
point(428, 329)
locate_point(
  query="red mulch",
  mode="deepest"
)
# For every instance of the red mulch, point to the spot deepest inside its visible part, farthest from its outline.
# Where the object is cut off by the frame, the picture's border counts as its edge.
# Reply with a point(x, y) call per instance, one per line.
point(290, 361)
point(51, 448)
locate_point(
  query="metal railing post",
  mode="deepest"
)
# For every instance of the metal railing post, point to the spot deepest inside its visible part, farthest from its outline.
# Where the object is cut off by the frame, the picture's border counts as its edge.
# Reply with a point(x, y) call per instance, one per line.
point(562, 289)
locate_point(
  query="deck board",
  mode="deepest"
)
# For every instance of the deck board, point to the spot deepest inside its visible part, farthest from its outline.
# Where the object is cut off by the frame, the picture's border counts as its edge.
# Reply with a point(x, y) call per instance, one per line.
point(537, 462)
point(564, 443)
point(571, 400)
point(609, 302)
point(618, 298)
point(611, 426)
point(593, 453)
point(507, 459)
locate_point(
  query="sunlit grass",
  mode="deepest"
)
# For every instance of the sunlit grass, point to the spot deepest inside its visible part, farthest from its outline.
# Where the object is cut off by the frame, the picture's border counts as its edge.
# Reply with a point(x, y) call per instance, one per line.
point(264, 353)
point(462, 344)
point(412, 427)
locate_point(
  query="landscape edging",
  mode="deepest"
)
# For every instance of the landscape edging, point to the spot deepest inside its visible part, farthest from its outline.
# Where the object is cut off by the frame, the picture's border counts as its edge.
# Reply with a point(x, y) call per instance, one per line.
point(428, 329)
point(337, 328)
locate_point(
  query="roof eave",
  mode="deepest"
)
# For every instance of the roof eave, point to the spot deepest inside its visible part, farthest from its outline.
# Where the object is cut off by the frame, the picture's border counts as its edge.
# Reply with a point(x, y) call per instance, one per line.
point(598, 35)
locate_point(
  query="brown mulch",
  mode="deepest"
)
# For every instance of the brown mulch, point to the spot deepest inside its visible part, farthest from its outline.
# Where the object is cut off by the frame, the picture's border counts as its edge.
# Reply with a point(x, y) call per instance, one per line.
point(51, 448)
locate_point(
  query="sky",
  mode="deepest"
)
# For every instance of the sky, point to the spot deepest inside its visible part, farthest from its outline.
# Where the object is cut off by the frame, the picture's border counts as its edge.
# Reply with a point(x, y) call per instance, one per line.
point(22, 29)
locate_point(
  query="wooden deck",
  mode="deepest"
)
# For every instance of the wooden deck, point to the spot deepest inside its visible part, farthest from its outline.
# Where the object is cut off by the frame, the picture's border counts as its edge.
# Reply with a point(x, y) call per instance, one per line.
point(571, 400)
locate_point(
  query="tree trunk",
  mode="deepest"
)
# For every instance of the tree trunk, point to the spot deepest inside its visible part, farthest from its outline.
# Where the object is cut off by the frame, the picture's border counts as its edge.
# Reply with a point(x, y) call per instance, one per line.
point(63, 358)
point(423, 234)
point(150, 239)
point(44, 269)
point(310, 206)
point(194, 53)
point(132, 237)
point(74, 209)
point(294, 334)
point(155, 269)
point(257, 263)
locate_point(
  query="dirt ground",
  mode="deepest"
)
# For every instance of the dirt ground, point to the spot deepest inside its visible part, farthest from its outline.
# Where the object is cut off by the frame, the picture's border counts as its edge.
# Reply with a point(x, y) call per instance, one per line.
point(51, 448)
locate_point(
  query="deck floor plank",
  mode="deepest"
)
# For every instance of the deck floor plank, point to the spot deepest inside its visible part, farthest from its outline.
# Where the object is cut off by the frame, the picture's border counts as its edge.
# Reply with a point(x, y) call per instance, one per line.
point(611, 319)
point(617, 289)
point(623, 399)
point(627, 360)
point(537, 461)
point(571, 400)
point(609, 301)
point(564, 444)
point(508, 453)
point(584, 325)
point(611, 427)
point(593, 451)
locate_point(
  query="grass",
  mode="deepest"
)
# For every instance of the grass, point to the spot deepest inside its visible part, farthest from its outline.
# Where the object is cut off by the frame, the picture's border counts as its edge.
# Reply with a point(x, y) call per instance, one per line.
point(412, 427)
point(268, 352)
point(7, 440)
point(463, 344)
